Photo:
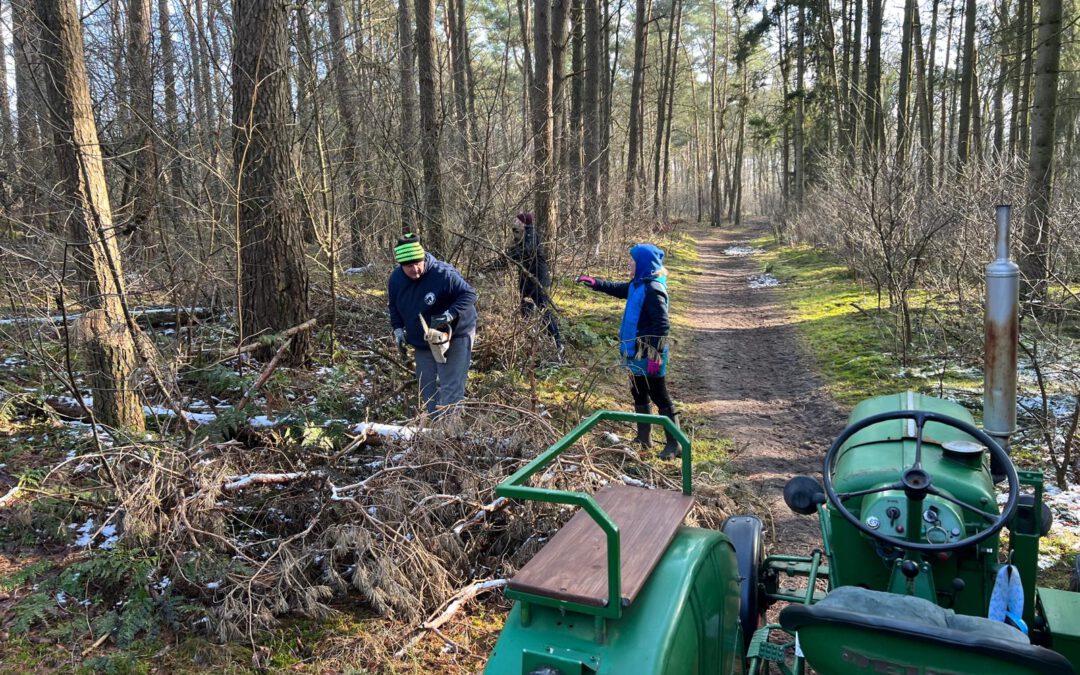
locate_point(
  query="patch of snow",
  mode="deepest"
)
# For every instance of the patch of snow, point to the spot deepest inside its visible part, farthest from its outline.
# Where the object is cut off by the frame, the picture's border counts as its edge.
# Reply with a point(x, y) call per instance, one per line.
point(61, 598)
point(163, 584)
point(764, 280)
point(741, 251)
point(357, 270)
point(160, 411)
point(261, 422)
point(212, 585)
point(1060, 406)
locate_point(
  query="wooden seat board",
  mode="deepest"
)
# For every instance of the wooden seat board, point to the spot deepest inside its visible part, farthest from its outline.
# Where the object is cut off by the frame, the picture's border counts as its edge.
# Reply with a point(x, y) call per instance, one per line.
point(572, 567)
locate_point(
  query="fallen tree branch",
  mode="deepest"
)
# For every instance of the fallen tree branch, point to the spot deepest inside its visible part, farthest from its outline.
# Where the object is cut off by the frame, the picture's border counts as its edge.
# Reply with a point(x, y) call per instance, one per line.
point(11, 496)
point(264, 375)
point(287, 333)
point(453, 606)
point(482, 514)
point(240, 482)
point(463, 596)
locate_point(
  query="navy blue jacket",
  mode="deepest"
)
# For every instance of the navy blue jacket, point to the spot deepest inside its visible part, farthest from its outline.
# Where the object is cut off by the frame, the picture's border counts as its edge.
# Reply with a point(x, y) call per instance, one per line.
point(441, 288)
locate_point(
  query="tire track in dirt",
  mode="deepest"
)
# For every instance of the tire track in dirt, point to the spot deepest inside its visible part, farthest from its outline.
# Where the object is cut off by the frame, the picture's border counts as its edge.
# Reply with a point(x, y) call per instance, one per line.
point(748, 377)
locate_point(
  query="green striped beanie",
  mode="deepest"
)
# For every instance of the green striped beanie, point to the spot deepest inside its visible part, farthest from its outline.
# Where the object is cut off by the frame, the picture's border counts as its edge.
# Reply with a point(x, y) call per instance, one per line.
point(408, 250)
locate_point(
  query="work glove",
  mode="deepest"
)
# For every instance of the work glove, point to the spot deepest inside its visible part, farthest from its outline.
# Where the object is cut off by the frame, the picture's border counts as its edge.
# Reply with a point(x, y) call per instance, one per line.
point(652, 368)
point(399, 338)
point(442, 321)
point(587, 281)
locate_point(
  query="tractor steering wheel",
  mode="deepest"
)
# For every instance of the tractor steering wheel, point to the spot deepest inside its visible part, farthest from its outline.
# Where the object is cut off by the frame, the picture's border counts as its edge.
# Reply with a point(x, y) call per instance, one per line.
point(916, 482)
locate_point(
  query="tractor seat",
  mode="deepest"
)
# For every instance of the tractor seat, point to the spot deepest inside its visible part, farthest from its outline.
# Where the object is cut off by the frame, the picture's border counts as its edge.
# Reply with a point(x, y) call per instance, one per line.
point(572, 567)
point(853, 627)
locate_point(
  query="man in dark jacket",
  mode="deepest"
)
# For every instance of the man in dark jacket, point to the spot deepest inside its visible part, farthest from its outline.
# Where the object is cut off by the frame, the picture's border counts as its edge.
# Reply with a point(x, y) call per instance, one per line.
point(422, 285)
point(534, 277)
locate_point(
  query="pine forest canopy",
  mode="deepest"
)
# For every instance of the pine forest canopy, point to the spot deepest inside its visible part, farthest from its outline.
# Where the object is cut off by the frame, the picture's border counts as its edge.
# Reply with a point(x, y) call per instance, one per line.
point(329, 126)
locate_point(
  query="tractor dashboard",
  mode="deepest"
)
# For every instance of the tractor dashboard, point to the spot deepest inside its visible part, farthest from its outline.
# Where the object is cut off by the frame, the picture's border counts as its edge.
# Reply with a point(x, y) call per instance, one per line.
point(886, 512)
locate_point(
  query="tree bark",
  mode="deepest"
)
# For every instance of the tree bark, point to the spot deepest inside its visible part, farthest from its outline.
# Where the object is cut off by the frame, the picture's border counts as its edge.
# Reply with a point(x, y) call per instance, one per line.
point(855, 122)
point(540, 99)
point(874, 117)
point(407, 132)
point(1035, 259)
point(273, 275)
point(110, 349)
point(168, 74)
point(594, 71)
point(968, 98)
point(904, 85)
point(800, 106)
point(140, 132)
point(429, 127)
point(637, 84)
point(348, 107)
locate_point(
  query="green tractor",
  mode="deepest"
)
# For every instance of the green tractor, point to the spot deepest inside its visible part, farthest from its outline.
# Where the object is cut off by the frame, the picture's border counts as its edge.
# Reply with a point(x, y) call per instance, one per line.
point(913, 576)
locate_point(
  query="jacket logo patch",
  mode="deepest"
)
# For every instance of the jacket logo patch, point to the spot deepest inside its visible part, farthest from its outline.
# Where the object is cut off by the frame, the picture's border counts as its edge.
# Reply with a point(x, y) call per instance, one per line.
point(429, 299)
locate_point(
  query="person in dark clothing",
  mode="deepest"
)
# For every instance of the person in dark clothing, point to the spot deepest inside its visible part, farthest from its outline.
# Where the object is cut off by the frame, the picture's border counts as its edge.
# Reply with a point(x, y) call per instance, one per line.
point(422, 285)
point(534, 276)
point(643, 337)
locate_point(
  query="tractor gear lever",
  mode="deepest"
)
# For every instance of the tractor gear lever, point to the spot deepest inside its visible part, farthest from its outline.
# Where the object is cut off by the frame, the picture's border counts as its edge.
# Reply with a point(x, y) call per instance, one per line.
point(910, 569)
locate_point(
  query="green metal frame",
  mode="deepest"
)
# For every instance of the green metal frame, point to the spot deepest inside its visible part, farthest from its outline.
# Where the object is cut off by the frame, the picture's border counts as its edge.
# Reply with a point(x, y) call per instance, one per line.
point(514, 487)
point(1024, 546)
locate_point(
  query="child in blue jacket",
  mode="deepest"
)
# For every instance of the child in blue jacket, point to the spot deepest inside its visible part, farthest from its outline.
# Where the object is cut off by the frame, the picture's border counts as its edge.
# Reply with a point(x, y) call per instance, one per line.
point(643, 336)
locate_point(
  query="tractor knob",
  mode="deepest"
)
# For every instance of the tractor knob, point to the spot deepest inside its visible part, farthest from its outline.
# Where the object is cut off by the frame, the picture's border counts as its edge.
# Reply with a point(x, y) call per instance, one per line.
point(909, 568)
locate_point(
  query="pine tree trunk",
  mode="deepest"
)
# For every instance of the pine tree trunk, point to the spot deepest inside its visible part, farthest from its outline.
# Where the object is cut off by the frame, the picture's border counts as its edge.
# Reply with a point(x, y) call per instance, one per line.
point(874, 117)
point(110, 350)
point(455, 16)
point(637, 84)
point(429, 127)
point(800, 115)
point(274, 277)
point(923, 103)
point(1036, 236)
point(168, 74)
point(348, 106)
point(968, 98)
point(999, 84)
point(540, 98)
point(407, 131)
point(855, 121)
point(904, 85)
point(594, 72)
point(1026, 76)
point(140, 132)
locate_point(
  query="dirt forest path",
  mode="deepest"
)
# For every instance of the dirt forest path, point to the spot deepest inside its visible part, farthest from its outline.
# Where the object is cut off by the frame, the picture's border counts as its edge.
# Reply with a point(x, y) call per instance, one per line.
point(746, 375)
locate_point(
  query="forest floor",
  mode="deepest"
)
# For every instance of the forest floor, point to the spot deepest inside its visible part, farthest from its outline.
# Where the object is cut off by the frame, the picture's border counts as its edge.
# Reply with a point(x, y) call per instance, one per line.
point(748, 377)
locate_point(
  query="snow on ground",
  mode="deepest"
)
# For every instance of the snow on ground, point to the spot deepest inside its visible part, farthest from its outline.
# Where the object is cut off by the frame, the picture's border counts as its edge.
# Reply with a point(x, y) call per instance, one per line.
point(740, 250)
point(762, 280)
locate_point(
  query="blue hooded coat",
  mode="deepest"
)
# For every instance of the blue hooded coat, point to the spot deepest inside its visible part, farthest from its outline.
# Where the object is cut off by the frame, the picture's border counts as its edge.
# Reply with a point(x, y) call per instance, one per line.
point(645, 324)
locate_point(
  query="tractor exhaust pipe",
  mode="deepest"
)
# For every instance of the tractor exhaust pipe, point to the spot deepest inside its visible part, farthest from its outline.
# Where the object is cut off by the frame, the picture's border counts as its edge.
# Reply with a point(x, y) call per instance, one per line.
point(1002, 325)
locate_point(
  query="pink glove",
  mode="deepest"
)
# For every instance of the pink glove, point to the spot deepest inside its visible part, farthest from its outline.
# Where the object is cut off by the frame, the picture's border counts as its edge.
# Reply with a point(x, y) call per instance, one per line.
point(588, 281)
point(653, 368)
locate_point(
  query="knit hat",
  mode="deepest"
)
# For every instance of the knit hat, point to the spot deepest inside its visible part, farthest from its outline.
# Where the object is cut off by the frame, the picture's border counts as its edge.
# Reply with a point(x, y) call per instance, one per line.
point(526, 218)
point(408, 249)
